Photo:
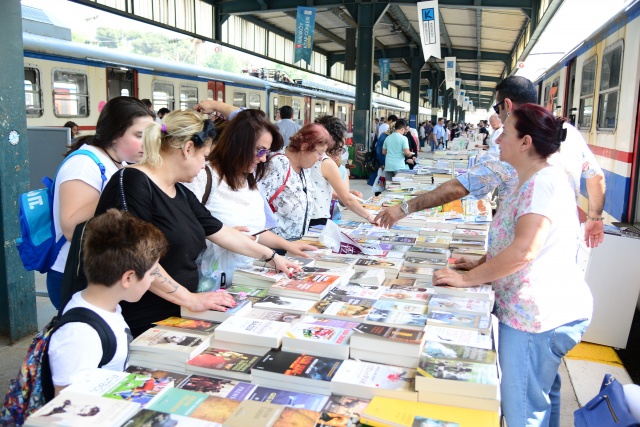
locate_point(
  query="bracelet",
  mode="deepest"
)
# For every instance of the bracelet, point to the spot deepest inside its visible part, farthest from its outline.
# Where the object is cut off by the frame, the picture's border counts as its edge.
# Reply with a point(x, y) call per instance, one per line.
point(595, 219)
point(273, 255)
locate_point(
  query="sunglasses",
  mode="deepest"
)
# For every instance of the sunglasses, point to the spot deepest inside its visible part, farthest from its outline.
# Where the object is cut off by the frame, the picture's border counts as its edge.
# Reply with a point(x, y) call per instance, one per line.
point(263, 151)
point(208, 132)
point(495, 107)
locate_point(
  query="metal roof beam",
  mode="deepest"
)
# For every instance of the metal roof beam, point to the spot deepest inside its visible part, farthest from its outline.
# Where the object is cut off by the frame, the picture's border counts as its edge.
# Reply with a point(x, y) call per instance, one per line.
point(480, 88)
point(407, 52)
point(407, 29)
point(473, 77)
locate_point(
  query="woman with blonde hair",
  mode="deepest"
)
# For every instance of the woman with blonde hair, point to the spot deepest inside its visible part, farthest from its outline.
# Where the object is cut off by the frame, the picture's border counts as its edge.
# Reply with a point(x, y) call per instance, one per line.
point(175, 152)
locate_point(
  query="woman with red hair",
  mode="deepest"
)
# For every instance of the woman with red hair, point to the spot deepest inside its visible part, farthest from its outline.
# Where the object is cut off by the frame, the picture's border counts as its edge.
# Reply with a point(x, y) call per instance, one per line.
point(286, 184)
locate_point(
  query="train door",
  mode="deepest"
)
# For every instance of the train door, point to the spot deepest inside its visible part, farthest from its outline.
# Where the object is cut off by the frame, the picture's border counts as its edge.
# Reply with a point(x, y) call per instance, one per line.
point(284, 101)
point(215, 90)
point(332, 108)
point(307, 110)
point(633, 210)
point(121, 81)
point(567, 104)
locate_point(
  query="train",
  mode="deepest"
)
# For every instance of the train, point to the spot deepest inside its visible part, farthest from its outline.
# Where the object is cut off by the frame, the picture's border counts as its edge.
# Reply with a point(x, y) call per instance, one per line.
point(66, 81)
point(596, 86)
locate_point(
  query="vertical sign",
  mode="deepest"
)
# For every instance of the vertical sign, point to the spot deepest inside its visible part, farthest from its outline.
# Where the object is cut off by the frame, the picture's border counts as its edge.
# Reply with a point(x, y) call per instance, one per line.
point(385, 67)
point(466, 103)
point(303, 43)
point(450, 71)
point(457, 89)
point(461, 96)
point(429, 20)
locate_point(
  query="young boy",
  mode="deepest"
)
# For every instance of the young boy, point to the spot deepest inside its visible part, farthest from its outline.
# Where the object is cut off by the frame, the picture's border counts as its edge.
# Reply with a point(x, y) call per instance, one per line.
point(120, 252)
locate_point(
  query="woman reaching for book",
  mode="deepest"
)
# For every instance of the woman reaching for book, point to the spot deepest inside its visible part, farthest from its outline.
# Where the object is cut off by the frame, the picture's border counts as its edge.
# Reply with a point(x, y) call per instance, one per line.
point(235, 166)
point(175, 152)
point(542, 301)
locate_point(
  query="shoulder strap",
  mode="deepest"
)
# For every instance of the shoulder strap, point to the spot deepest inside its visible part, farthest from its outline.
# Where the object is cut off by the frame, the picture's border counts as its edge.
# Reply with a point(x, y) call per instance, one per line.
point(207, 190)
point(94, 158)
point(279, 190)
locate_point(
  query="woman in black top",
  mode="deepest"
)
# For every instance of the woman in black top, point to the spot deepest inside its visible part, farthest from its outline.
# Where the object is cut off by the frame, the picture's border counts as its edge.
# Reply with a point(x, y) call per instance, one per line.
point(173, 152)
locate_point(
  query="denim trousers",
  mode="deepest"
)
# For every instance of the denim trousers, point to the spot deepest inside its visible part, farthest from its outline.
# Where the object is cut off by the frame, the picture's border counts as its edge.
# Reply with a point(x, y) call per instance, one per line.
point(54, 287)
point(433, 145)
point(530, 385)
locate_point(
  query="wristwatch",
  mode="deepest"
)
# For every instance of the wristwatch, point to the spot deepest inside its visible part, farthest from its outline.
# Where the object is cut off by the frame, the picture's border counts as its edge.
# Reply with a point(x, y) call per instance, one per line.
point(405, 208)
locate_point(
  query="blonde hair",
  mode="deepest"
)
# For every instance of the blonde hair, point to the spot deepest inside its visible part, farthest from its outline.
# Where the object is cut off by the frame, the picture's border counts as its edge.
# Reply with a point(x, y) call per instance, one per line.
point(180, 126)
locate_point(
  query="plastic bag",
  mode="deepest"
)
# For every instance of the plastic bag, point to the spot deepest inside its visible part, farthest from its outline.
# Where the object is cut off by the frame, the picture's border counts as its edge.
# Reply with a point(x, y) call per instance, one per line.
point(379, 184)
point(215, 269)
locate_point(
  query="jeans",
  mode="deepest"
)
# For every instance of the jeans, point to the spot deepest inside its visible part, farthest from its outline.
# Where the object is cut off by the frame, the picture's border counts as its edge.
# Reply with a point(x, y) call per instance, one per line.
point(433, 145)
point(530, 385)
point(54, 287)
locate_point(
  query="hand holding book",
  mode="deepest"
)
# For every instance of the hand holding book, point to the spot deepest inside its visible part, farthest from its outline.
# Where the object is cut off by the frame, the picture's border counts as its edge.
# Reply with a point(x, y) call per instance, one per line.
point(449, 277)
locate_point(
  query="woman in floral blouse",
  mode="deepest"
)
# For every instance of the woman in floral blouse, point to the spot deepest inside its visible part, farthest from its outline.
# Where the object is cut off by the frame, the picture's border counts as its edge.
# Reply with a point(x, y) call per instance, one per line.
point(542, 301)
point(287, 186)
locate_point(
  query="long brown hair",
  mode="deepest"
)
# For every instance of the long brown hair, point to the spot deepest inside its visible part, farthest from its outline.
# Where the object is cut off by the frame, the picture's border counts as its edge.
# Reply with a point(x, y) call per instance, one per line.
point(235, 151)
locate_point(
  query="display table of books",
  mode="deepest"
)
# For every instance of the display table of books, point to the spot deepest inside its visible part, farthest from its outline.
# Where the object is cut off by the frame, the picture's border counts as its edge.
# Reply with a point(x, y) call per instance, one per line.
point(351, 340)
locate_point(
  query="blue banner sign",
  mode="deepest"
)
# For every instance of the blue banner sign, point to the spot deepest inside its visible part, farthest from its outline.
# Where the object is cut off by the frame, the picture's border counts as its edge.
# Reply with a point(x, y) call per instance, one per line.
point(385, 68)
point(303, 43)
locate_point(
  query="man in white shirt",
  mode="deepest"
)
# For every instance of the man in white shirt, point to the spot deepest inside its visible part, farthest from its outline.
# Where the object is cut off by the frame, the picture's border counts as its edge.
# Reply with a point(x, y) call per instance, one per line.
point(496, 125)
point(286, 125)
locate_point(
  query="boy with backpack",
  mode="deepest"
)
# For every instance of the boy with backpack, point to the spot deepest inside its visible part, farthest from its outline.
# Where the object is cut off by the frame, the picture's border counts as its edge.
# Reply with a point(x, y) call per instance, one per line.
point(120, 253)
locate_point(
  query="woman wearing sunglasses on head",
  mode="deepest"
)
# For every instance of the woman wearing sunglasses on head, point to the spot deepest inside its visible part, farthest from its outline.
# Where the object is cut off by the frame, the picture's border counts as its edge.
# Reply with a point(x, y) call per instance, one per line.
point(235, 166)
point(176, 152)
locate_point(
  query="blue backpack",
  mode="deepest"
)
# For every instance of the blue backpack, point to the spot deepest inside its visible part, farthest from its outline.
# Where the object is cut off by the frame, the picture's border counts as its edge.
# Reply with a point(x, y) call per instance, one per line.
point(37, 246)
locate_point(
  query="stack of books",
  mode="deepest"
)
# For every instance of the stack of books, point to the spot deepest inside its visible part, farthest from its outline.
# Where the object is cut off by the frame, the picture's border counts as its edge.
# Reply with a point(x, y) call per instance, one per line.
point(166, 349)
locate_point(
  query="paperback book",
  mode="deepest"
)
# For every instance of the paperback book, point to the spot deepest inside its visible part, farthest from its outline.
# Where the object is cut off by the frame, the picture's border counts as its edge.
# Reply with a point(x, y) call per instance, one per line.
point(365, 380)
point(243, 305)
point(273, 315)
point(242, 330)
point(174, 345)
point(400, 314)
point(457, 377)
point(294, 399)
point(191, 325)
point(307, 285)
point(220, 387)
point(460, 305)
point(287, 304)
point(317, 340)
point(223, 363)
point(473, 322)
point(343, 308)
point(148, 418)
point(342, 411)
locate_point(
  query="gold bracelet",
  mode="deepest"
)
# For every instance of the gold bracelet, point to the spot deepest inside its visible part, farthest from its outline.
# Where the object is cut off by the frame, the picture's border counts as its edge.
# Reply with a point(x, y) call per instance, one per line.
point(595, 219)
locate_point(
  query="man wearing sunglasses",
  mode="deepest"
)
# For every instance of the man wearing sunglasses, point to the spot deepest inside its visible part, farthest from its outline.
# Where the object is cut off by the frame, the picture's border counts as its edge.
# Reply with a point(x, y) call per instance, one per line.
point(490, 173)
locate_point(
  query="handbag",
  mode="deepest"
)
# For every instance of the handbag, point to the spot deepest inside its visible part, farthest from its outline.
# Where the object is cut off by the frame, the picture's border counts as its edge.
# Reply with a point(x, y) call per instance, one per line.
point(608, 408)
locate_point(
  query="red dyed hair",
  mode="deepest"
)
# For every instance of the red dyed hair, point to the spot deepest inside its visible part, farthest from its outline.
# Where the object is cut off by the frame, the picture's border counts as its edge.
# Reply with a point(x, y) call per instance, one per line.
point(312, 134)
point(545, 130)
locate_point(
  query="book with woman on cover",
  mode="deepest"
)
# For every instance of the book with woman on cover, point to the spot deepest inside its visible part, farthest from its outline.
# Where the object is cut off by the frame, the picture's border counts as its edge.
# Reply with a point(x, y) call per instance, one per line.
point(221, 387)
point(191, 325)
point(174, 345)
point(224, 363)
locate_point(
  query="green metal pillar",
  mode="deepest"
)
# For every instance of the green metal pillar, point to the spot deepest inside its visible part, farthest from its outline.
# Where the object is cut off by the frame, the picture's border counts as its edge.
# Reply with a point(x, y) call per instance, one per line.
point(433, 82)
point(417, 63)
point(452, 110)
point(18, 317)
point(445, 103)
point(366, 15)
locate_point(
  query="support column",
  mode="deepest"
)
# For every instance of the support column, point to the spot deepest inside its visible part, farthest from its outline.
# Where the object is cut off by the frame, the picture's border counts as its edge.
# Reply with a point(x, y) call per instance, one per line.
point(445, 103)
point(366, 15)
point(18, 316)
point(452, 110)
point(433, 82)
point(414, 105)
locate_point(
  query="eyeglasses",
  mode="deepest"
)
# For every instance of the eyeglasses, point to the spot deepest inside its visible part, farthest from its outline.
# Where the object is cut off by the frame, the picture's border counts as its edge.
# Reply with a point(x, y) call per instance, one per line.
point(320, 155)
point(495, 107)
point(208, 132)
point(262, 152)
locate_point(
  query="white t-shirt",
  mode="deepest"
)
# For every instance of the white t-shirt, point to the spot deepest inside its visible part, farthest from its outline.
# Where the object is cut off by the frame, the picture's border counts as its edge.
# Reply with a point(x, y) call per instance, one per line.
point(244, 207)
point(76, 347)
point(494, 136)
point(84, 169)
point(322, 191)
point(383, 128)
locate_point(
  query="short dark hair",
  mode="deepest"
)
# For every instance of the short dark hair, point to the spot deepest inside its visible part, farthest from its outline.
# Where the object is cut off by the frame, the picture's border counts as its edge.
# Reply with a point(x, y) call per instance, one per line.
point(70, 125)
point(116, 242)
point(392, 118)
point(338, 131)
point(235, 150)
point(147, 102)
point(518, 89)
point(163, 111)
point(286, 112)
point(545, 130)
point(400, 124)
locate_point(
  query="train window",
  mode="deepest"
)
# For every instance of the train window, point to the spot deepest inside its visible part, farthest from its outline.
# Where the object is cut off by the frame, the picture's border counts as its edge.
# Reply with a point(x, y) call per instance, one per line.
point(587, 89)
point(188, 97)
point(609, 86)
point(554, 96)
point(254, 101)
point(342, 113)
point(296, 109)
point(239, 99)
point(162, 95)
point(32, 92)
point(70, 94)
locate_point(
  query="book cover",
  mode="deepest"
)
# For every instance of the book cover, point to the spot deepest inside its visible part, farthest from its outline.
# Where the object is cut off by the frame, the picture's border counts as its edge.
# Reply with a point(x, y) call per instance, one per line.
point(173, 344)
point(158, 374)
point(95, 382)
point(459, 320)
point(373, 376)
point(296, 417)
point(254, 414)
point(358, 290)
point(424, 262)
point(221, 387)
point(438, 350)
point(458, 336)
point(367, 263)
point(416, 272)
point(80, 410)
point(179, 402)
point(323, 321)
point(391, 333)
point(224, 360)
point(458, 371)
point(292, 305)
point(298, 365)
point(393, 315)
point(344, 307)
point(252, 331)
point(215, 409)
point(368, 277)
point(342, 411)
point(294, 399)
point(419, 421)
point(252, 293)
point(318, 334)
point(273, 315)
point(407, 294)
point(460, 305)
point(140, 389)
point(243, 305)
point(308, 284)
point(192, 325)
point(401, 281)
point(418, 251)
point(148, 418)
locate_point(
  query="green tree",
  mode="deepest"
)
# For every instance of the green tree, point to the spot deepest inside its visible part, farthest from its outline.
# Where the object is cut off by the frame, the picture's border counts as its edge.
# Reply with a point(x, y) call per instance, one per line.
point(223, 60)
point(109, 37)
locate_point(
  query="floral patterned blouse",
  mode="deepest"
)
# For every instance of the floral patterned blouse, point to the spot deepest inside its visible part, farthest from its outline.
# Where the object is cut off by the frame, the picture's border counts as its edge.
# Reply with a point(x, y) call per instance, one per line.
point(294, 203)
point(550, 291)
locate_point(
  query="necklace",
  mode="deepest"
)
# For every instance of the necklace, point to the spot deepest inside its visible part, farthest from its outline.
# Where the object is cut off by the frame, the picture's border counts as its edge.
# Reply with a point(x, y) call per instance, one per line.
point(525, 178)
point(118, 165)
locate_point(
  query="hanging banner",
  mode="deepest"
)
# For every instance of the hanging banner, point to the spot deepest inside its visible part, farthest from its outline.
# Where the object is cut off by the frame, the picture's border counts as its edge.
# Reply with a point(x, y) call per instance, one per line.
point(429, 21)
point(465, 103)
point(429, 94)
point(303, 43)
point(457, 89)
point(450, 72)
point(385, 68)
point(461, 96)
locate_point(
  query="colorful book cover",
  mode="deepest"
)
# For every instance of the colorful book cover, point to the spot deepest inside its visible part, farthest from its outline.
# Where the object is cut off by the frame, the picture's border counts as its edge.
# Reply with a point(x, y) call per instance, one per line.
point(231, 389)
point(480, 373)
point(376, 263)
point(401, 281)
point(407, 294)
point(460, 304)
point(215, 409)
point(148, 418)
point(311, 283)
point(297, 417)
point(376, 375)
point(343, 306)
point(344, 324)
point(459, 320)
point(224, 360)
point(265, 273)
point(294, 399)
point(432, 422)
point(178, 401)
point(318, 333)
point(171, 343)
point(398, 313)
point(158, 374)
point(437, 350)
point(391, 333)
point(299, 365)
point(357, 290)
point(342, 411)
point(139, 389)
point(273, 315)
point(251, 292)
point(193, 325)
